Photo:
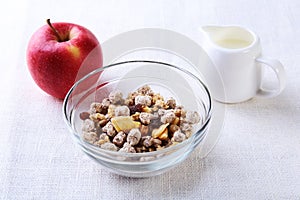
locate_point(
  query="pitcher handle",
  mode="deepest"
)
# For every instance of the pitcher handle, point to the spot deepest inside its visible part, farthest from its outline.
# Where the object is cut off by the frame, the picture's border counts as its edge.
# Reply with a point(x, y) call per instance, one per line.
point(278, 68)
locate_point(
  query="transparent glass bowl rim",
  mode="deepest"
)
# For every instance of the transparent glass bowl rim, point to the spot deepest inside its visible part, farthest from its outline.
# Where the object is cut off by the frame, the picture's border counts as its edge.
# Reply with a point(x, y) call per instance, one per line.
point(208, 115)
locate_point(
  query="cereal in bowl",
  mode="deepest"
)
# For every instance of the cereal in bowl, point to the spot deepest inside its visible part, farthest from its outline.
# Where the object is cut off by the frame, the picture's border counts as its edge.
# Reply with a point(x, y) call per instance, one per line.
point(142, 122)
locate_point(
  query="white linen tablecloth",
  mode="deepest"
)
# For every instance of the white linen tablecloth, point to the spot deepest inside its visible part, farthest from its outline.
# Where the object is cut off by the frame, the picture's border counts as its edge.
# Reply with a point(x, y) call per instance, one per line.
point(256, 157)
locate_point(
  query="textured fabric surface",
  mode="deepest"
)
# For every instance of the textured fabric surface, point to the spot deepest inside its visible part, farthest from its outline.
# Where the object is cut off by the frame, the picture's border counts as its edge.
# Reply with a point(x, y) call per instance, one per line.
point(256, 157)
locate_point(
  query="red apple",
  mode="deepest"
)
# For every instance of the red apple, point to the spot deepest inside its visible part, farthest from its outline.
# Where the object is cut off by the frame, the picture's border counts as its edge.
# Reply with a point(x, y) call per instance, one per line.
point(59, 54)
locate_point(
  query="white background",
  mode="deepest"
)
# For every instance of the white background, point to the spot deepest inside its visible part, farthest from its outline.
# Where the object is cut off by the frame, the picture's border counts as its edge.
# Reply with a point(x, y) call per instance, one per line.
point(257, 156)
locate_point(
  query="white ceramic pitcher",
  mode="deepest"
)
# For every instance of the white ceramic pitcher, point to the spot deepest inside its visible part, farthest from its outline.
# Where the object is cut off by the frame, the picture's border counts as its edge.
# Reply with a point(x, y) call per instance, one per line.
point(236, 53)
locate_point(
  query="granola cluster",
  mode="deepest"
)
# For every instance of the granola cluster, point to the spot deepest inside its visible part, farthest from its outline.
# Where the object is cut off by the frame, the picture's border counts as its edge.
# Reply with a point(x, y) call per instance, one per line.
point(142, 122)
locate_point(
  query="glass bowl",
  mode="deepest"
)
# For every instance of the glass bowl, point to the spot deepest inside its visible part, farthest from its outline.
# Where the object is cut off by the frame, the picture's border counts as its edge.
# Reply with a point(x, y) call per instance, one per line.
point(166, 79)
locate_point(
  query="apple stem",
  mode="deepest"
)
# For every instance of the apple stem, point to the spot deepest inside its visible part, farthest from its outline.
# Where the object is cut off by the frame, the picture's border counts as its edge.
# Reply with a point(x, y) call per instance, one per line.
point(55, 31)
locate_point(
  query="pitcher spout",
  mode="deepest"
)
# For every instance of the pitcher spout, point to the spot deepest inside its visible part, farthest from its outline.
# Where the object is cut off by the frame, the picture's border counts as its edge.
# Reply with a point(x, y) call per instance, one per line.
point(211, 30)
point(209, 34)
point(230, 37)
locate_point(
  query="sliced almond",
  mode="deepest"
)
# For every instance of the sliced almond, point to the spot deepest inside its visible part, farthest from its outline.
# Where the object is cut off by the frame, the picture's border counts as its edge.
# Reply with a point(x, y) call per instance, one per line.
point(176, 121)
point(158, 131)
point(164, 135)
point(135, 116)
point(97, 116)
point(147, 109)
point(122, 123)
